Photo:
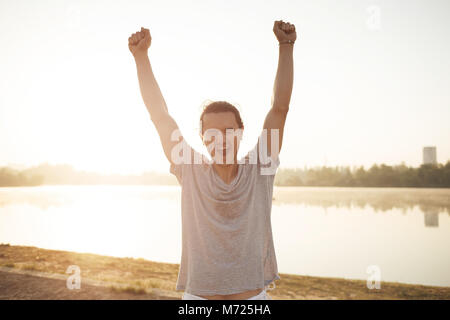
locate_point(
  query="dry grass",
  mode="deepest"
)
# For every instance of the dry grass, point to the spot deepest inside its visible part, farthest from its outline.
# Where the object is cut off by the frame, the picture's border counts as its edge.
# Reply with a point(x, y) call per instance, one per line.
point(128, 289)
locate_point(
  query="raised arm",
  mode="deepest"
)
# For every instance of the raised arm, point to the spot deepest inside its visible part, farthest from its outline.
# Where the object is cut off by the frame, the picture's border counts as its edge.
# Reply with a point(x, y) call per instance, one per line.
point(138, 43)
point(282, 89)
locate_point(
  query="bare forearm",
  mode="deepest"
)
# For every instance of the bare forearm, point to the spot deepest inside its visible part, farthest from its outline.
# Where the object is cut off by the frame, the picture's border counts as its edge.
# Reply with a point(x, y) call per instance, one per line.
point(150, 91)
point(284, 79)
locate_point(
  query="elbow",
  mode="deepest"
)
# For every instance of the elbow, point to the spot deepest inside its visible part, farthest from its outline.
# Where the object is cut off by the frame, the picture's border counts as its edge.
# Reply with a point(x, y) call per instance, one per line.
point(281, 107)
point(281, 103)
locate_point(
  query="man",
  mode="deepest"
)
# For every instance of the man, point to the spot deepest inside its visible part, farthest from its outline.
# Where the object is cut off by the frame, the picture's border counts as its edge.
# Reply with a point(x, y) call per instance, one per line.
point(227, 244)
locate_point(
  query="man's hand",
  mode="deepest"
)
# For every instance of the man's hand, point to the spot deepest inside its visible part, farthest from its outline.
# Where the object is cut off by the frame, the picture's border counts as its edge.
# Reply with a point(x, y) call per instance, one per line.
point(284, 31)
point(139, 42)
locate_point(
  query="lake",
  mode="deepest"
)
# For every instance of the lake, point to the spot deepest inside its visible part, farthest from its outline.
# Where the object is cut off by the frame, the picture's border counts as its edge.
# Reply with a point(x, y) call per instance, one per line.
point(318, 231)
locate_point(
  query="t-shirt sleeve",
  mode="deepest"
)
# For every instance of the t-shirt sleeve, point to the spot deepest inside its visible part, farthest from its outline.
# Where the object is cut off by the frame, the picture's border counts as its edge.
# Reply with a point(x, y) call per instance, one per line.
point(177, 171)
point(268, 165)
point(270, 168)
point(183, 157)
point(258, 155)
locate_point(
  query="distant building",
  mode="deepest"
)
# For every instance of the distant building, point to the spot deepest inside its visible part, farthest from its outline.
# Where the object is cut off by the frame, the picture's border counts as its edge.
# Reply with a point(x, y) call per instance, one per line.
point(429, 155)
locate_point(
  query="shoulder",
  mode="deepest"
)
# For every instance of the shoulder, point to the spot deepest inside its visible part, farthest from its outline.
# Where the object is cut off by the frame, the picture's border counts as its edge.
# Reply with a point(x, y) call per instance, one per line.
point(186, 159)
point(263, 163)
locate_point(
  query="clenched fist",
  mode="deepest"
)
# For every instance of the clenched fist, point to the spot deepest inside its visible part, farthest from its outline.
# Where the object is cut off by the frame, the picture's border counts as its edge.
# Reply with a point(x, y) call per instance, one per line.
point(139, 42)
point(284, 31)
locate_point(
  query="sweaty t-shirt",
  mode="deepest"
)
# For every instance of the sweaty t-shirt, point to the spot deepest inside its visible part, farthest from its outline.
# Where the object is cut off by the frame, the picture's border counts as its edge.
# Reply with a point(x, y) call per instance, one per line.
point(227, 244)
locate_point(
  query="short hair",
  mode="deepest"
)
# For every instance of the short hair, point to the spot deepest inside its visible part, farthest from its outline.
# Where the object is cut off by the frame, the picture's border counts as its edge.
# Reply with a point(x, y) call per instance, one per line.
point(221, 106)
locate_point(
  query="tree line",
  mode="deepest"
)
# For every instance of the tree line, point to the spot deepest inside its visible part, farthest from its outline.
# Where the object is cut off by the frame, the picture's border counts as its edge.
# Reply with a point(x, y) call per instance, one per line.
point(424, 176)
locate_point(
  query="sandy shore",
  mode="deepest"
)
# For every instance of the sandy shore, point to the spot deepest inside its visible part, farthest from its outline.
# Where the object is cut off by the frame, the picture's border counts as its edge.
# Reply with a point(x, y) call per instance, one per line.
point(34, 273)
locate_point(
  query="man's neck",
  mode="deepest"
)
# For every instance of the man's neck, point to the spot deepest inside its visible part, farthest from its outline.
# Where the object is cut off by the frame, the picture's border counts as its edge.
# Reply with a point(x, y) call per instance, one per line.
point(227, 172)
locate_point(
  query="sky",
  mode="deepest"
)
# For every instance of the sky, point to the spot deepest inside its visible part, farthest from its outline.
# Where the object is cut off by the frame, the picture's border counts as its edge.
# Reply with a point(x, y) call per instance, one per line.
point(371, 79)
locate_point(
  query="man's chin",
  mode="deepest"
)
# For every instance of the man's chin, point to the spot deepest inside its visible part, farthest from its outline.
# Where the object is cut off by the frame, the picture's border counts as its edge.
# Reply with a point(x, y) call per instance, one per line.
point(223, 162)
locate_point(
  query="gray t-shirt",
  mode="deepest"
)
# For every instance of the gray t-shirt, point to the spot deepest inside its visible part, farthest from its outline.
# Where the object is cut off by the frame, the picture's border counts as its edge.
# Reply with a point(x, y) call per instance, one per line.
point(227, 244)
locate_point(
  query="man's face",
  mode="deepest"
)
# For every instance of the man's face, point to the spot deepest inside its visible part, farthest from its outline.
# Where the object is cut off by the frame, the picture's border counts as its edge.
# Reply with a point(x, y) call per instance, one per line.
point(216, 139)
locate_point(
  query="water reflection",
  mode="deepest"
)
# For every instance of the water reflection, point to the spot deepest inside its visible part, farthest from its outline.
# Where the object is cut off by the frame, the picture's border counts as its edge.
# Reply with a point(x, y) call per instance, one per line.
point(379, 199)
point(431, 202)
point(110, 220)
point(431, 219)
point(46, 197)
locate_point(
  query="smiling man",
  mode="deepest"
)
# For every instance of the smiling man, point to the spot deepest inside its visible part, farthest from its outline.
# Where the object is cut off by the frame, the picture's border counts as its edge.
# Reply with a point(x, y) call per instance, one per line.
point(227, 243)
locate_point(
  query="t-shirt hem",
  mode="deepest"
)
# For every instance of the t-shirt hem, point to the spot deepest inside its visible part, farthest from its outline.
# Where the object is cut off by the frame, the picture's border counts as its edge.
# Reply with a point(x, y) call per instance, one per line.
point(276, 277)
point(225, 291)
point(220, 292)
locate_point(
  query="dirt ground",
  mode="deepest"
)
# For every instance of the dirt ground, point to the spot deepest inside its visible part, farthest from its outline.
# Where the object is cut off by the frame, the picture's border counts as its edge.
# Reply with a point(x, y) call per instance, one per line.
point(26, 286)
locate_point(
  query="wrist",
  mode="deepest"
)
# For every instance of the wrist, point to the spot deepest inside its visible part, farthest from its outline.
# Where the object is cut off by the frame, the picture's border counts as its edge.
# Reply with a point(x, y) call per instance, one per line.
point(140, 55)
point(286, 48)
point(286, 42)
